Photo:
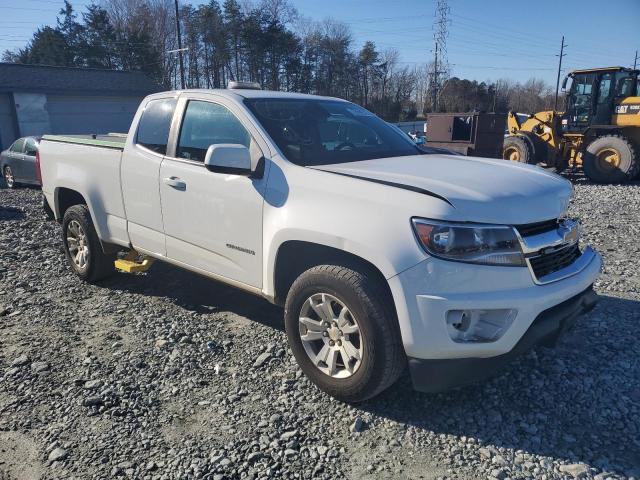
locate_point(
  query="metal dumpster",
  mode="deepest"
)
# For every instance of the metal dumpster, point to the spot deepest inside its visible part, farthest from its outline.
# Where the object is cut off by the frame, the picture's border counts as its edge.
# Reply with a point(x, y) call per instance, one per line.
point(477, 134)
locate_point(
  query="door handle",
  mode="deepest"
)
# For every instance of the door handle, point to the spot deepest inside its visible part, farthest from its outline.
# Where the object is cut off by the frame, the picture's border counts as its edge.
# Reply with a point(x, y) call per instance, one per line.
point(175, 182)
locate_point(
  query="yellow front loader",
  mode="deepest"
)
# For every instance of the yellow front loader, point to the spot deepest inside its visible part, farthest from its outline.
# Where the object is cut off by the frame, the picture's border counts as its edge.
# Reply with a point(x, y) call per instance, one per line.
point(599, 129)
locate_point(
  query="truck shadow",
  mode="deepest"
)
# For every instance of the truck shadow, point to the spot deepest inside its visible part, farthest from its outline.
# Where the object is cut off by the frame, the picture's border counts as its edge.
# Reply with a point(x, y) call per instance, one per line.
point(579, 401)
point(198, 294)
point(11, 213)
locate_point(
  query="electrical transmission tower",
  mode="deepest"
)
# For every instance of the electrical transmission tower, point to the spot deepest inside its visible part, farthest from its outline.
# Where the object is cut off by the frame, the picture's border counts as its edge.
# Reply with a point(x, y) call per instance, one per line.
point(440, 63)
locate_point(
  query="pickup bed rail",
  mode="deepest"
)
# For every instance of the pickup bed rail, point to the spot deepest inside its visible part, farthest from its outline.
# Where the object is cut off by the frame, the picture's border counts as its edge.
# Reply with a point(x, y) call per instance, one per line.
point(106, 141)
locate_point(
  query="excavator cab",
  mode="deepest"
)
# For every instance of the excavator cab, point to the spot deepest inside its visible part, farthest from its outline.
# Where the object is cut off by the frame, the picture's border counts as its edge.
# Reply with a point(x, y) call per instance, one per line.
point(591, 99)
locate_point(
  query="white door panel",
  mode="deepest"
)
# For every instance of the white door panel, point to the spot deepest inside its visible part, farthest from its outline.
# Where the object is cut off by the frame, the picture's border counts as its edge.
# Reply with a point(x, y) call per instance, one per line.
point(214, 221)
point(141, 195)
point(140, 174)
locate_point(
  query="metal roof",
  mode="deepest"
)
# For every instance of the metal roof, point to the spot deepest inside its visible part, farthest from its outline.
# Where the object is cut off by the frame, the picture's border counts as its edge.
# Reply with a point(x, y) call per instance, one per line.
point(15, 77)
point(591, 70)
point(247, 93)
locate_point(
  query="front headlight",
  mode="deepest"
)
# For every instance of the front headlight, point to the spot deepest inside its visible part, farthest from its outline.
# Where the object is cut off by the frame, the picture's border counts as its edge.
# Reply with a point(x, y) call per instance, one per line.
point(486, 245)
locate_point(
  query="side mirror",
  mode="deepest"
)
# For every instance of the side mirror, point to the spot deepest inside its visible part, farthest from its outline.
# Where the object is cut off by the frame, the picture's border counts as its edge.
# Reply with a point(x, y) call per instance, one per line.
point(228, 158)
point(564, 83)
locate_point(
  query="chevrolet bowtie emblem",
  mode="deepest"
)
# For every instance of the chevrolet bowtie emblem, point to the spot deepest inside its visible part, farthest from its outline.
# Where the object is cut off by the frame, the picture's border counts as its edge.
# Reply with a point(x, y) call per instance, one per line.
point(569, 229)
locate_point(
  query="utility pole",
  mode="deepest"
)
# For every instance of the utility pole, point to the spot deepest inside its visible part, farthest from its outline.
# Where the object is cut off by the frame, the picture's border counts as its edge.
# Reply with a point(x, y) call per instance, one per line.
point(180, 50)
point(562, 54)
point(635, 60)
point(440, 64)
point(434, 90)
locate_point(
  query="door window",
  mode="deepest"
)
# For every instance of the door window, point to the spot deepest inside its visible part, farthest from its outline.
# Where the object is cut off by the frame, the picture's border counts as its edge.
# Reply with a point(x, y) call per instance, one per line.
point(206, 124)
point(17, 146)
point(605, 88)
point(155, 123)
point(624, 84)
point(580, 101)
point(31, 147)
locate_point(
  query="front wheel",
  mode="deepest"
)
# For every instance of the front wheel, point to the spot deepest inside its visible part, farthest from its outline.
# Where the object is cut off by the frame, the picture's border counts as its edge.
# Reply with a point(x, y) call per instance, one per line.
point(516, 148)
point(343, 335)
point(611, 159)
point(82, 246)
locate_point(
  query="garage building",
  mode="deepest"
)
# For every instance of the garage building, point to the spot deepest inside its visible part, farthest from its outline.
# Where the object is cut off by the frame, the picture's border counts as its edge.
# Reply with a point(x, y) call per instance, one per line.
point(36, 100)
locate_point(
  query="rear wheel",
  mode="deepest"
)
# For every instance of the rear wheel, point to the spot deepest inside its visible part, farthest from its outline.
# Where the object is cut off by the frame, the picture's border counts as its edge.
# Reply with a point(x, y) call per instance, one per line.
point(517, 149)
point(82, 246)
point(9, 179)
point(343, 334)
point(611, 159)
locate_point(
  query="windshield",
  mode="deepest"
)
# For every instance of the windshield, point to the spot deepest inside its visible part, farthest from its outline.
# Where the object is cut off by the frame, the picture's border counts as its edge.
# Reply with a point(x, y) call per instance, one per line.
point(323, 132)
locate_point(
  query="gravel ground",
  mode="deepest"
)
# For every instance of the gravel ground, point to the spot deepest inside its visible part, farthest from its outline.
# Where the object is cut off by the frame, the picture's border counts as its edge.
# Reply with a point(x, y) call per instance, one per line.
point(170, 375)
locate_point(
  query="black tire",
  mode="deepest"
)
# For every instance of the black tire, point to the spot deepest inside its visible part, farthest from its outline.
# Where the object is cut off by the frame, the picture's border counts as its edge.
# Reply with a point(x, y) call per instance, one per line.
point(8, 174)
point(518, 149)
point(98, 265)
point(625, 166)
point(383, 358)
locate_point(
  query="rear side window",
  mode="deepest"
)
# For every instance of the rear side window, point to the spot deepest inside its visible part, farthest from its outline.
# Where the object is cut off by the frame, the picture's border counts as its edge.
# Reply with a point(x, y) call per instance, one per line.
point(17, 146)
point(155, 123)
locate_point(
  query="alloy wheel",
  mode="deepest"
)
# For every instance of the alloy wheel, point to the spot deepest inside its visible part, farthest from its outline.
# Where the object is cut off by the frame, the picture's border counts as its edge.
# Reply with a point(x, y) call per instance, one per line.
point(331, 335)
point(78, 244)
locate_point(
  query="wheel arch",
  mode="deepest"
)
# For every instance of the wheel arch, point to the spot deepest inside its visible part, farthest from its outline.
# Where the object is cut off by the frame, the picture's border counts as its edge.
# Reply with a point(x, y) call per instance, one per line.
point(294, 257)
point(64, 198)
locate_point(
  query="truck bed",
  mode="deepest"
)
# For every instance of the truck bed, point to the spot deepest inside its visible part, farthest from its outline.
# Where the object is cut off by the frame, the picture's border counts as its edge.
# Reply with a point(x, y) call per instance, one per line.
point(109, 140)
point(90, 166)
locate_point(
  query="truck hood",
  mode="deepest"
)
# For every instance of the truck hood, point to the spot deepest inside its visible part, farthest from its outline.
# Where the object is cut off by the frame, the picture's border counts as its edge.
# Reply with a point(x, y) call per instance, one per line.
point(479, 189)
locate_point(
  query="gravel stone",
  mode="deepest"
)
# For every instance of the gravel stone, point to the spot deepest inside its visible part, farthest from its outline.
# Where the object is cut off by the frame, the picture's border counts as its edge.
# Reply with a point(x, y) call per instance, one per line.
point(37, 367)
point(358, 425)
point(262, 359)
point(57, 454)
point(576, 470)
point(21, 361)
point(93, 384)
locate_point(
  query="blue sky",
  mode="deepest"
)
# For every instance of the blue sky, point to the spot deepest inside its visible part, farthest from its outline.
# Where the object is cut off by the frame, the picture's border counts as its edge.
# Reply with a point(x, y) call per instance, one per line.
point(488, 39)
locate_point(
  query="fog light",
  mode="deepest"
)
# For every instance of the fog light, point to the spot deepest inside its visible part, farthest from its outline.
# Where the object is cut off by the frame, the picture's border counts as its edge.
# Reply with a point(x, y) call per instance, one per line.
point(479, 326)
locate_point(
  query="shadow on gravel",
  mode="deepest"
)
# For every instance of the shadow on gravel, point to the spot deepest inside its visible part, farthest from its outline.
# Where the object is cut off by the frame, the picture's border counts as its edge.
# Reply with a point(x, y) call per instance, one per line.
point(11, 213)
point(579, 178)
point(198, 294)
point(579, 401)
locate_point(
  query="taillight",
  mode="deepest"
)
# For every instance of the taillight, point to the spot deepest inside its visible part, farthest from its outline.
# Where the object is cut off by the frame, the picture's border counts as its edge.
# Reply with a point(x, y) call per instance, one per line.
point(38, 172)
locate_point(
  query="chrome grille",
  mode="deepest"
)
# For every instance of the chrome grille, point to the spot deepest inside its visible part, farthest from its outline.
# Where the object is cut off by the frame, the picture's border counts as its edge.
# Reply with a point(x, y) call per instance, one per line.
point(547, 262)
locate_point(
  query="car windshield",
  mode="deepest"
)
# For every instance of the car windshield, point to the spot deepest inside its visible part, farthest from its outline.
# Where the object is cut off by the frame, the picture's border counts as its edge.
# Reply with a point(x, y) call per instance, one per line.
point(323, 132)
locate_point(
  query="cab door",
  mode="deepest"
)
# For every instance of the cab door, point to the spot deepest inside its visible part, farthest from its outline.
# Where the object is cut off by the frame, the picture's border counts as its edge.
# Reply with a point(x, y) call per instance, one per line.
point(213, 221)
point(140, 171)
point(580, 102)
point(604, 100)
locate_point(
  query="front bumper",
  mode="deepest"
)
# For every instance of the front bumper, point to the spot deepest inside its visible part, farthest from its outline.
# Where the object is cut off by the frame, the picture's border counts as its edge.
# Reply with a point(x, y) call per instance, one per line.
point(438, 375)
point(425, 293)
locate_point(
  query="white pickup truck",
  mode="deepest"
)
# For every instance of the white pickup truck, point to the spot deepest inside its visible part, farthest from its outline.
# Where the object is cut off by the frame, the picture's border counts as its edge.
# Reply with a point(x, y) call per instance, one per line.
point(383, 254)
